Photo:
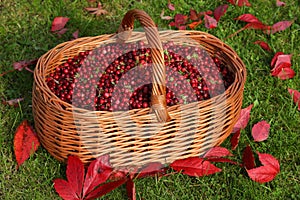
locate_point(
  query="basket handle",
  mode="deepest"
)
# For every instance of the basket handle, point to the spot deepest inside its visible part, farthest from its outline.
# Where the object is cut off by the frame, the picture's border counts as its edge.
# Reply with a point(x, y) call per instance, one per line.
point(158, 96)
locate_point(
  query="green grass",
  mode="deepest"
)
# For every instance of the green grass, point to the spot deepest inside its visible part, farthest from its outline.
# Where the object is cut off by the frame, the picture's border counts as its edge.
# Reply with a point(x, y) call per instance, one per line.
point(25, 34)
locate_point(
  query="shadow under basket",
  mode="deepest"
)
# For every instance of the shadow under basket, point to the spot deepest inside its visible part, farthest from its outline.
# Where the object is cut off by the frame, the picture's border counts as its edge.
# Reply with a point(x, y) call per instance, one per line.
point(136, 137)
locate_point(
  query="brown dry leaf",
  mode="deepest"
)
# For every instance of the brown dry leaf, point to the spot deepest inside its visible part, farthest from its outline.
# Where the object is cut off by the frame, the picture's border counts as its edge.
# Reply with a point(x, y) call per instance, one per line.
point(97, 11)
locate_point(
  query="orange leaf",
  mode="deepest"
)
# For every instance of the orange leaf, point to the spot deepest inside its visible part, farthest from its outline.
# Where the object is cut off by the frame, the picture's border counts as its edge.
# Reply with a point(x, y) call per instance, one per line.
point(25, 142)
point(194, 24)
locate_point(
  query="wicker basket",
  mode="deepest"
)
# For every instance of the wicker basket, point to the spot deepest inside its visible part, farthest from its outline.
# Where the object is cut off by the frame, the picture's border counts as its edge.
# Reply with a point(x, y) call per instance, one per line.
point(185, 130)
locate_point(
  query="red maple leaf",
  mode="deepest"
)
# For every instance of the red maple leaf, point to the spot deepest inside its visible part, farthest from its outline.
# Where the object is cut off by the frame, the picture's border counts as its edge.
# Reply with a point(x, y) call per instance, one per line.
point(285, 58)
point(275, 57)
point(276, 70)
point(25, 142)
point(217, 152)
point(59, 23)
point(257, 26)
point(193, 15)
point(79, 188)
point(286, 73)
point(210, 22)
point(104, 189)
point(248, 18)
point(179, 21)
point(220, 11)
point(243, 119)
point(263, 45)
point(194, 166)
point(98, 172)
point(222, 160)
point(296, 96)
point(260, 131)
point(248, 158)
point(280, 26)
point(151, 169)
point(75, 174)
point(239, 2)
point(268, 171)
point(234, 140)
point(130, 188)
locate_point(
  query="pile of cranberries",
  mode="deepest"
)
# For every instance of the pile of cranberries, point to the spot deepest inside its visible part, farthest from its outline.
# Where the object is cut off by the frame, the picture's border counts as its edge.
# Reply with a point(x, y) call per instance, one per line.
point(118, 77)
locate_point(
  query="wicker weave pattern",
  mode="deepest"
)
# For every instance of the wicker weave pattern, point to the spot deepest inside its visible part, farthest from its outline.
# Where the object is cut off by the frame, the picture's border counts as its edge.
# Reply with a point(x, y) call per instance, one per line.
point(130, 137)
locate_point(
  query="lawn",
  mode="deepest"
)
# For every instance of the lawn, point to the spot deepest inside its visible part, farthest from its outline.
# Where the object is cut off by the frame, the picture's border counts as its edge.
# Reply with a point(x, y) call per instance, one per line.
point(25, 34)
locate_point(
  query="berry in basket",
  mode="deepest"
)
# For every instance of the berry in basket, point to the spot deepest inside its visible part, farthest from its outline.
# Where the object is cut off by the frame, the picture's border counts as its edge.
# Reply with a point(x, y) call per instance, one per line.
point(118, 77)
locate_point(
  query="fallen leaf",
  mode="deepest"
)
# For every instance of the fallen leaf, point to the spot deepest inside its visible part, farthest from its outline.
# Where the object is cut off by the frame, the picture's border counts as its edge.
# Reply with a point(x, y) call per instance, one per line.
point(182, 27)
point(24, 64)
point(248, 18)
point(179, 21)
point(210, 22)
point(194, 166)
point(171, 6)
point(61, 32)
point(239, 2)
point(217, 152)
point(248, 158)
point(253, 25)
point(243, 119)
point(130, 188)
point(262, 174)
point(162, 16)
point(193, 15)
point(267, 159)
point(296, 96)
point(75, 174)
point(276, 70)
point(93, 185)
point(263, 45)
point(193, 25)
point(117, 175)
point(285, 58)
point(104, 189)
point(75, 34)
point(274, 59)
point(98, 172)
point(268, 171)
point(59, 23)
point(97, 11)
point(280, 3)
point(151, 169)
point(234, 140)
point(286, 73)
point(64, 189)
point(222, 160)
point(12, 102)
point(220, 11)
point(257, 26)
point(280, 26)
point(25, 142)
point(260, 131)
